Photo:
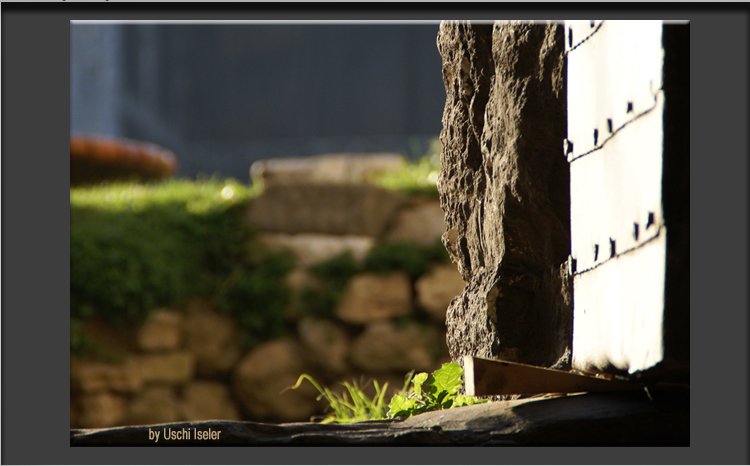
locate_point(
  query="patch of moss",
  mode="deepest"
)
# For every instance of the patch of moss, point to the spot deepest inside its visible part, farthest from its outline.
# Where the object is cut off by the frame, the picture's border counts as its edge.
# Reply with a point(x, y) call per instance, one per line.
point(255, 294)
point(411, 257)
point(333, 276)
point(84, 345)
point(136, 247)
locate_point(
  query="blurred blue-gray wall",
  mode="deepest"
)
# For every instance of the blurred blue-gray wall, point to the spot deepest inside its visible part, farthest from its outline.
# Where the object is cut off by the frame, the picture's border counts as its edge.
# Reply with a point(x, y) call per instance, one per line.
point(223, 96)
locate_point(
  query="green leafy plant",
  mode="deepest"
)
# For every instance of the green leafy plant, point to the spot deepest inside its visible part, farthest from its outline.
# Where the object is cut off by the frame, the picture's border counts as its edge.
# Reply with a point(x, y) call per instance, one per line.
point(432, 392)
point(345, 410)
point(426, 393)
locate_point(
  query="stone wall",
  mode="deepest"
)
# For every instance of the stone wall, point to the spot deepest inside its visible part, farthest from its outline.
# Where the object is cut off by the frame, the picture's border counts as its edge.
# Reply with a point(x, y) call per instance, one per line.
point(504, 188)
point(189, 364)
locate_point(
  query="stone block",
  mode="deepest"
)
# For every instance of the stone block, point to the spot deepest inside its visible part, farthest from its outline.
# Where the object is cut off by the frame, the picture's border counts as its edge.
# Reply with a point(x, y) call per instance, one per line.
point(262, 375)
point(327, 344)
point(167, 368)
point(422, 223)
point(436, 290)
point(331, 209)
point(95, 376)
point(383, 346)
point(311, 248)
point(212, 339)
point(161, 331)
point(375, 297)
point(155, 405)
point(204, 400)
point(325, 169)
point(102, 409)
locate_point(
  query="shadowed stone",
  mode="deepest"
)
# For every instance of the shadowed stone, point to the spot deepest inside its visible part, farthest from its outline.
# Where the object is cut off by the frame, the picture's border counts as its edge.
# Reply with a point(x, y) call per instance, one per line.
point(154, 405)
point(95, 376)
point(203, 400)
point(311, 248)
point(262, 375)
point(212, 339)
point(325, 342)
point(384, 346)
point(422, 223)
point(101, 410)
point(161, 331)
point(325, 169)
point(374, 297)
point(436, 290)
point(320, 208)
point(168, 368)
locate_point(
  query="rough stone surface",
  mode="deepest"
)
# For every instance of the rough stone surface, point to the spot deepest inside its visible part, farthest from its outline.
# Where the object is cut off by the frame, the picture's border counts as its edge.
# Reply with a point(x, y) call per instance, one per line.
point(154, 405)
point(385, 346)
point(320, 208)
point(309, 248)
point(436, 290)
point(212, 338)
point(204, 400)
point(101, 410)
point(504, 186)
point(265, 372)
point(422, 223)
point(326, 343)
point(374, 297)
point(93, 376)
point(324, 169)
point(161, 331)
point(167, 368)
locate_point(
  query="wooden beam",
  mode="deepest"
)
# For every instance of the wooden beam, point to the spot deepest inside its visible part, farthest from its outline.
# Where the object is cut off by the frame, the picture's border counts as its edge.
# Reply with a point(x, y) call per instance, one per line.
point(483, 377)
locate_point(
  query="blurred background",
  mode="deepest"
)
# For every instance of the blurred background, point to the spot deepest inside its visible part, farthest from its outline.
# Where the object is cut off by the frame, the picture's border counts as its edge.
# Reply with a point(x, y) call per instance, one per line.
point(223, 96)
point(203, 297)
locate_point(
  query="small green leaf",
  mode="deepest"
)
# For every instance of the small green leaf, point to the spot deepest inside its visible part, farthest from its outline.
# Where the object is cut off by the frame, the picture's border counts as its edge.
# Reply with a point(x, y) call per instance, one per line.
point(401, 406)
point(448, 378)
point(418, 380)
point(463, 400)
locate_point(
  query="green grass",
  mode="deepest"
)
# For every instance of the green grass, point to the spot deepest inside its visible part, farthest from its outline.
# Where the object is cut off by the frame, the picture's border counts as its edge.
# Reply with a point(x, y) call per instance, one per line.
point(421, 393)
point(197, 197)
point(135, 247)
point(353, 405)
point(416, 178)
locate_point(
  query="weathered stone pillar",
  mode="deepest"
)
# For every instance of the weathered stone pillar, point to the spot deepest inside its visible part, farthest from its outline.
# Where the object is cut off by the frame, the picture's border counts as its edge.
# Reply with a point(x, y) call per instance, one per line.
point(504, 187)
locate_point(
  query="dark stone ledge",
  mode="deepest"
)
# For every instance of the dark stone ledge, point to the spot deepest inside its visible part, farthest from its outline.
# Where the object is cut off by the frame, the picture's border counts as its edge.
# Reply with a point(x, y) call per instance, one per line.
point(605, 419)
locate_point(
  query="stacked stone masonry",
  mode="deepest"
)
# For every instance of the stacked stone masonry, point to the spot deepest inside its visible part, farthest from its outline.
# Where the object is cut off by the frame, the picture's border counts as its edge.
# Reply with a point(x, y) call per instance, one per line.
point(188, 364)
